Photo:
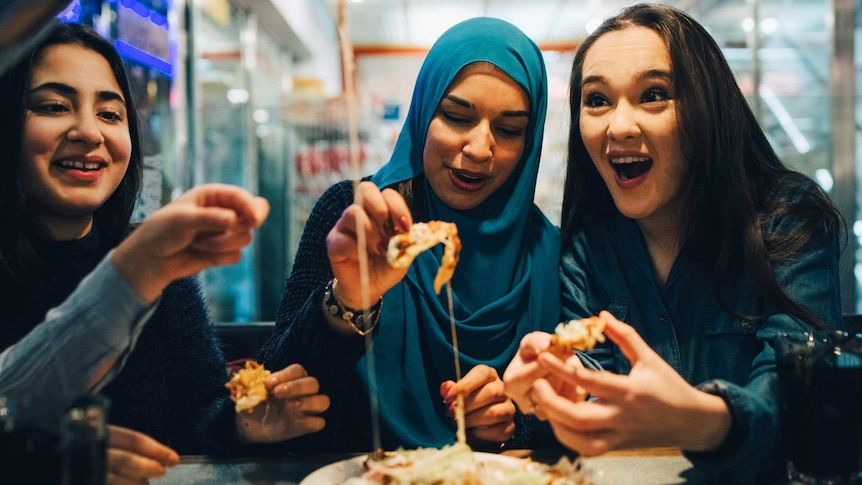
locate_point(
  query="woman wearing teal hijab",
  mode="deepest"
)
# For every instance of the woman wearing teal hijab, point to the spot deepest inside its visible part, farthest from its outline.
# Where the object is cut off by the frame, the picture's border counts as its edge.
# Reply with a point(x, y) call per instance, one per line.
point(469, 154)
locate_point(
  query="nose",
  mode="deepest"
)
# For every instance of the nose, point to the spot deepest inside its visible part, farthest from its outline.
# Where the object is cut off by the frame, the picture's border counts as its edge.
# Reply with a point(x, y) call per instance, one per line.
point(86, 130)
point(623, 122)
point(479, 145)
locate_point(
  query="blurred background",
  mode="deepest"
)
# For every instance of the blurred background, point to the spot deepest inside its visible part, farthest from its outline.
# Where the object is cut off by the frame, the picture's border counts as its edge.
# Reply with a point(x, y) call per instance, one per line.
point(251, 92)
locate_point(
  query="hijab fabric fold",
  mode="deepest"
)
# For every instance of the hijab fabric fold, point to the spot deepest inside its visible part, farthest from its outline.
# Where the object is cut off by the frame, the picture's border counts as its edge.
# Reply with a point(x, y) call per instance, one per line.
point(506, 283)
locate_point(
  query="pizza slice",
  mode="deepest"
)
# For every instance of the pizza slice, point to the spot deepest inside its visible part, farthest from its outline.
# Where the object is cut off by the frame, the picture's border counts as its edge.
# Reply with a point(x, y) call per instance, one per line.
point(577, 334)
point(403, 248)
point(247, 387)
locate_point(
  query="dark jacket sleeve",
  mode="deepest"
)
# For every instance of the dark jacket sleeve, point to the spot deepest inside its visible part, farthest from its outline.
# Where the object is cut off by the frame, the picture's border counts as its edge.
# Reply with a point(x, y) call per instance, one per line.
point(810, 278)
point(302, 334)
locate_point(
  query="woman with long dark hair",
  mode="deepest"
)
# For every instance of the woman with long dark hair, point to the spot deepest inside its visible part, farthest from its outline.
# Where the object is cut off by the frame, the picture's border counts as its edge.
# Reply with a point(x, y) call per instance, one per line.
point(680, 219)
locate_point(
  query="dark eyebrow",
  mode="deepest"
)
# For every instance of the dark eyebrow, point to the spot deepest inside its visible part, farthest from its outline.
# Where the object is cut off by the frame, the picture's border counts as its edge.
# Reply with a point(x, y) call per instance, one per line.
point(641, 76)
point(67, 90)
point(469, 105)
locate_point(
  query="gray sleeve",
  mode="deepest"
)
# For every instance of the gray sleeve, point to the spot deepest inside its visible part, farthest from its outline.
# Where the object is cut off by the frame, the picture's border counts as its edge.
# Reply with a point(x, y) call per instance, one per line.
point(54, 363)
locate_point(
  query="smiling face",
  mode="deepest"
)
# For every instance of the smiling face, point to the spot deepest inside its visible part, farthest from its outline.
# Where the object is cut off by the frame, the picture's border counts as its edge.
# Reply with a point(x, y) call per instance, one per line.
point(76, 143)
point(628, 123)
point(476, 136)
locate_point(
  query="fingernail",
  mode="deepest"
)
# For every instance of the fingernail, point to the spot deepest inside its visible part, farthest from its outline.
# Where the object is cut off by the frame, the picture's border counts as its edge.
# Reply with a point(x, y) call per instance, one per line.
point(404, 225)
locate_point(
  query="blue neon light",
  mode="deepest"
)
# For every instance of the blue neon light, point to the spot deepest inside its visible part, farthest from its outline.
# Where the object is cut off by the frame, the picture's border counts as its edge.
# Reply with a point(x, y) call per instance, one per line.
point(72, 14)
point(144, 58)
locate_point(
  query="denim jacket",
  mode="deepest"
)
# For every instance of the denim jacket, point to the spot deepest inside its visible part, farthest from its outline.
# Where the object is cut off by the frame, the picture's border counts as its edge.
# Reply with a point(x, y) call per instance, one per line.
point(606, 266)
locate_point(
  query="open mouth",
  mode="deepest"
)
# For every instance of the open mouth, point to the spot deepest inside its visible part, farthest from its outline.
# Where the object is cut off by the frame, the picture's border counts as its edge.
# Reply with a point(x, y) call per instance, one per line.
point(466, 178)
point(628, 168)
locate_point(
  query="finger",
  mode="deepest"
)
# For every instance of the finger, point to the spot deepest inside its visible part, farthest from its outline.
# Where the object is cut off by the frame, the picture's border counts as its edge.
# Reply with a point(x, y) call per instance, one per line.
point(225, 242)
point(626, 337)
point(247, 207)
point(369, 198)
point(598, 383)
point(583, 416)
point(313, 404)
point(473, 381)
point(498, 433)
point(493, 414)
point(532, 344)
point(341, 242)
point(141, 444)
point(117, 479)
point(445, 388)
point(130, 466)
point(289, 373)
point(400, 217)
point(306, 386)
point(591, 443)
point(310, 424)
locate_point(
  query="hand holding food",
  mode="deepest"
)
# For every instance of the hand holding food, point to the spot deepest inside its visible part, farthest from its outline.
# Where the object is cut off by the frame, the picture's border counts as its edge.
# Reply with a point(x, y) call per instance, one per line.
point(292, 408)
point(247, 388)
point(651, 406)
point(525, 368)
point(488, 414)
point(358, 243)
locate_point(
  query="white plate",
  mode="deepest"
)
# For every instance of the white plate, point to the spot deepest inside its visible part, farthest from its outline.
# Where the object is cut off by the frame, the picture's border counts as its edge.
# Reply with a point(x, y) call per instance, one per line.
point(338, 472)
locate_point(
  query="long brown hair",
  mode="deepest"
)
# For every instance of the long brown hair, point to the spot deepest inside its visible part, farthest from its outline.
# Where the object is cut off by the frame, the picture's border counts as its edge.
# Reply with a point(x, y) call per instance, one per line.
point(733, 166)
point(17, 229)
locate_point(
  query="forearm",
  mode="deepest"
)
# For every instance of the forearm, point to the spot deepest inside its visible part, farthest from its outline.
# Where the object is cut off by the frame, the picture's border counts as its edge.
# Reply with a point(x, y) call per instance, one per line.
point(77, 347)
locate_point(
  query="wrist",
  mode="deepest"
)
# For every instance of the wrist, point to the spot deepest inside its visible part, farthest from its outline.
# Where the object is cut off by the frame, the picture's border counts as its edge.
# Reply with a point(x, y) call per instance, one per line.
point(139, 273)
point(714, 422)
point(348, 319)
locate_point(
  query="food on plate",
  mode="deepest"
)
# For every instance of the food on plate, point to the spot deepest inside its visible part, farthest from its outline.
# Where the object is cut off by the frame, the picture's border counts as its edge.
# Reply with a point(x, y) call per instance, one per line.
point(246, 386)
point(404, 247)
point(457, 464)
point(577, 334)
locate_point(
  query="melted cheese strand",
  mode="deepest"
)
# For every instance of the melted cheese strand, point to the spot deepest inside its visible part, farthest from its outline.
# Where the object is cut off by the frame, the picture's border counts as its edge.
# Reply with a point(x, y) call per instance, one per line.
point(460, 419)
point(347, 65)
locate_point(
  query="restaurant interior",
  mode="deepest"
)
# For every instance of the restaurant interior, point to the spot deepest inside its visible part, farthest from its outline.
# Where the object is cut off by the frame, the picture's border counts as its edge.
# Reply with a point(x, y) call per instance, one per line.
point(252, 92)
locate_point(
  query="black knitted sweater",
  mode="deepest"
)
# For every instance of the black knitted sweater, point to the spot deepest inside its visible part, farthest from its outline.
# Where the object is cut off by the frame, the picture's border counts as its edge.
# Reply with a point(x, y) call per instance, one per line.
point(172, 384)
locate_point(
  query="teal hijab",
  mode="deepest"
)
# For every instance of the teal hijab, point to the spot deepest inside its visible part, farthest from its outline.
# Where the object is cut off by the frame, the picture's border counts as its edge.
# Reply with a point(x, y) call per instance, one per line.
point(506, 282)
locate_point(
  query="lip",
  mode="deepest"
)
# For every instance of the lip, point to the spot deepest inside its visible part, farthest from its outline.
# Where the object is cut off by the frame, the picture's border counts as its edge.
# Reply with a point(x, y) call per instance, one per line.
point(479, 180)
point(628, 156)
point(83, 168)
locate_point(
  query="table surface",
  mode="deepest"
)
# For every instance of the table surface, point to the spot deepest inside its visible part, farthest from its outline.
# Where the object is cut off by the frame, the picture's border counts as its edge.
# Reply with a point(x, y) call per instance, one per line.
point(654, 466)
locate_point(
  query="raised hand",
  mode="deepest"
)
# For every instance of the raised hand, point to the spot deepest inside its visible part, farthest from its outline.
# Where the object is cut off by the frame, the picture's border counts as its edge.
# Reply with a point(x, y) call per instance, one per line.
point(207, 226)
point(135, 458)
point(651, 406)
point(489, 414)
point(380, 215)
point(293, 408)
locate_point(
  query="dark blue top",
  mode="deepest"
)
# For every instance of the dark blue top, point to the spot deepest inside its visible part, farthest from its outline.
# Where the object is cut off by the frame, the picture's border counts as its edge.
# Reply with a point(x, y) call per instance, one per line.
point(607, 266)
